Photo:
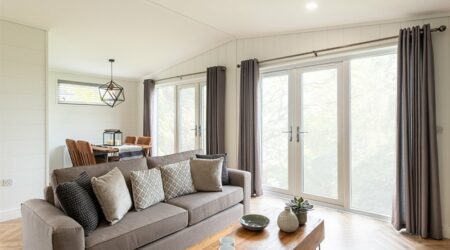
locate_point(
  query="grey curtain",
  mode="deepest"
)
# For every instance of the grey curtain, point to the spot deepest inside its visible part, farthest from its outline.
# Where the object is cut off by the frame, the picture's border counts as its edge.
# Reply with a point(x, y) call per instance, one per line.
point(417, 205)
point(149, 92)
point(215, 110)
point(248, 157)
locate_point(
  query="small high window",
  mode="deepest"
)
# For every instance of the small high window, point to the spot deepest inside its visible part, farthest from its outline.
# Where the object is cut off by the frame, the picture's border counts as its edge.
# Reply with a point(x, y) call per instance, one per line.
point(70, 92)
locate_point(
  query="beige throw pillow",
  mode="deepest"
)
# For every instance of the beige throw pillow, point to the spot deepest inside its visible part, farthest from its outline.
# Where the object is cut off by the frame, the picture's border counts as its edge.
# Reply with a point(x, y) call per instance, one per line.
point(147, 188)
point(112, 194)
point(177, 179)
point(207, 174)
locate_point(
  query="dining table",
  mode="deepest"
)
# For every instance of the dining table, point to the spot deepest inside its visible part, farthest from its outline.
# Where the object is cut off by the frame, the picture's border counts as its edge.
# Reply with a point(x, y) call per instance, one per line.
point(121, 152)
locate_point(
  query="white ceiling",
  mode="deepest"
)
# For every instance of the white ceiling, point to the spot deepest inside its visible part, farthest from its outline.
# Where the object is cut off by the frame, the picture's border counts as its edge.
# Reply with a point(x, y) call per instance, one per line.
point(145, 36)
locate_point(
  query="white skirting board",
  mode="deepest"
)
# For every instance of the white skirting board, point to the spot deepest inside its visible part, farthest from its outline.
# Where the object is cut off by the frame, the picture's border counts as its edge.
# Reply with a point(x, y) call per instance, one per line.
point(10, 214)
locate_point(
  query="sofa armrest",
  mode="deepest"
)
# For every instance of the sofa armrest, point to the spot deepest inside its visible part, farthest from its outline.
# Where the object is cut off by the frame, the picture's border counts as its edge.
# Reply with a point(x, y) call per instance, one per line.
point(242, 179)
point(46, 227)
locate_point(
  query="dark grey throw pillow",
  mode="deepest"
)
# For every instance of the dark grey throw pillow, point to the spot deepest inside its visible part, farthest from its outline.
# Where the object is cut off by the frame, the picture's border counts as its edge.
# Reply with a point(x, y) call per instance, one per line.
point(77, 202)
point(225, 178)
point(84, 180)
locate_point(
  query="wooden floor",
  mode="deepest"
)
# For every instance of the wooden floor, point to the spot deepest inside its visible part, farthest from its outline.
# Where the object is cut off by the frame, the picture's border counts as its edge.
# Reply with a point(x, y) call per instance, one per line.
point(343, 230)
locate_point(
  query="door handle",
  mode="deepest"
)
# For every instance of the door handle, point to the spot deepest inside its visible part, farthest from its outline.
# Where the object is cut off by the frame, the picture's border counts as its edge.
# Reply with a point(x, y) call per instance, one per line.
point(195, 129)
point(199, 130)
point(300, 132)
point(288, 132)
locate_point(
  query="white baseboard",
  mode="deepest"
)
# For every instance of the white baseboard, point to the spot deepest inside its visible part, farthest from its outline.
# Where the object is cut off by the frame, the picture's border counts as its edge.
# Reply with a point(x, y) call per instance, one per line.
point(9, 214)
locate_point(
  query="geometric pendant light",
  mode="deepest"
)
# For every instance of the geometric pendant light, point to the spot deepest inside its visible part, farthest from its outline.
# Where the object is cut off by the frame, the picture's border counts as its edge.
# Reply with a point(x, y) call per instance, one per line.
point(111, 93)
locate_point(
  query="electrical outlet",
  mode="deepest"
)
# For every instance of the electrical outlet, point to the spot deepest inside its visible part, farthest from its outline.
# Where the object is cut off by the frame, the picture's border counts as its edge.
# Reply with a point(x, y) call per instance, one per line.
point(6, 182)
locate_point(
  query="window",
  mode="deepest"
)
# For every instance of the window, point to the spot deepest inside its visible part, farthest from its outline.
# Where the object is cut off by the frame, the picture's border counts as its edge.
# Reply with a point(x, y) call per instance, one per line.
point(165, 120)
point(70, 92)
point(180, 117)
point(373, 115)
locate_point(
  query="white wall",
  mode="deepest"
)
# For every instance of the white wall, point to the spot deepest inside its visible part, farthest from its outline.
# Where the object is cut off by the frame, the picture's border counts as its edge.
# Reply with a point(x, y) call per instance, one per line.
point(86, 122)
point(23, 69)
point(280, 45)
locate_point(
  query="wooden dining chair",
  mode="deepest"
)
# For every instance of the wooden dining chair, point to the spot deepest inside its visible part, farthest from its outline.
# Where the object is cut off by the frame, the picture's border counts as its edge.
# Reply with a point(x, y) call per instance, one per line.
point(130, 140)
point(73, 152)
point(86, 153)
point(146, 142)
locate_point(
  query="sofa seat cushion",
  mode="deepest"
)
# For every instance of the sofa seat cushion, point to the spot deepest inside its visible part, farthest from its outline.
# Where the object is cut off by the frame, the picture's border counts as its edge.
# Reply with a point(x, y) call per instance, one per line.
point(137, 229)
point(202, 205)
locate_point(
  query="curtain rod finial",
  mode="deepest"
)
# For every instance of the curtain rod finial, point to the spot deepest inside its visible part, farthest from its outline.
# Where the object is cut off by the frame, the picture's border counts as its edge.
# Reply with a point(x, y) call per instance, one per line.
point(238, 65)
point(442, 28)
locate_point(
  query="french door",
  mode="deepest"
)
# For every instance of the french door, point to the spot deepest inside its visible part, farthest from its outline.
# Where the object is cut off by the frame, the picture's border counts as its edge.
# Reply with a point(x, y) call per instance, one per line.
point(180, 117)
point(329, 131)
point(301, 134)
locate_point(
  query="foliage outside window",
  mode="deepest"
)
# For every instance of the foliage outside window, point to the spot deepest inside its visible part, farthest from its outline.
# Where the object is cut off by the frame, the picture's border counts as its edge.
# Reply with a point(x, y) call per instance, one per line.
point(70, 92)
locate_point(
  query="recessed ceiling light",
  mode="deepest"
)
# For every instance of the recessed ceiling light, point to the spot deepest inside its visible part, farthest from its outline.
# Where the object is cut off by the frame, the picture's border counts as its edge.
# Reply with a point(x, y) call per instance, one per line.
point(311, 6)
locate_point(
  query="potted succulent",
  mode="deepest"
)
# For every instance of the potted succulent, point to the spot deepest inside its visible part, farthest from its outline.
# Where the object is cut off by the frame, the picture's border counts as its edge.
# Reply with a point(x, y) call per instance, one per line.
point(300, 208)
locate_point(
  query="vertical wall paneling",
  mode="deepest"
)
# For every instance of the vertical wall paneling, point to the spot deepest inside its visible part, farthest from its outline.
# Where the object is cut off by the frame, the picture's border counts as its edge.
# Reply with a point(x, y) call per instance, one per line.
point(23, 69)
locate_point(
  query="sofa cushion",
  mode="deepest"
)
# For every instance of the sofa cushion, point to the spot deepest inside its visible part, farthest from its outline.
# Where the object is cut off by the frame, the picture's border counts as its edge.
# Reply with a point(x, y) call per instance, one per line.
point(147, 188)
point(78, 201)
point(112, 194)
point(225, 178)
point(137, 229)
point(202, 205)
point(69, 174)
point(206, 174)
point(177, 180)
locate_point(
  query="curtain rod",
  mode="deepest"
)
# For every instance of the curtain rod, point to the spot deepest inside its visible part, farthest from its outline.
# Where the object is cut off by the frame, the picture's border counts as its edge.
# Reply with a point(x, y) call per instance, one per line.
point(191, 74)
point(441, 28)
point(180, 76)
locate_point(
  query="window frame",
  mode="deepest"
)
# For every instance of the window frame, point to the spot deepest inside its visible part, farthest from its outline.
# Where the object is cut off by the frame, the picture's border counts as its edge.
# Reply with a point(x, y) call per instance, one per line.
point(61, 81)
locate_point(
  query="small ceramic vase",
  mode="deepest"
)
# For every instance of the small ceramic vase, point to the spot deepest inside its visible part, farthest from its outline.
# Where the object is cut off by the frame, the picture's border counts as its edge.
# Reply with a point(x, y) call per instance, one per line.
point(287, 221)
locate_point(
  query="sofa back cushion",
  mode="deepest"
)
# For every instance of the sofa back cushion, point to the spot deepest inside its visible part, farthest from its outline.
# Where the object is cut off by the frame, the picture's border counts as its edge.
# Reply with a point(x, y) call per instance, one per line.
point(69, 174)
point(159, 161)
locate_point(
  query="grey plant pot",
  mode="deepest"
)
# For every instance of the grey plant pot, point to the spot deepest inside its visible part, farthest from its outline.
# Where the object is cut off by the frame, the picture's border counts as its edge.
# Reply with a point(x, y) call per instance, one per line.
point(302, 217)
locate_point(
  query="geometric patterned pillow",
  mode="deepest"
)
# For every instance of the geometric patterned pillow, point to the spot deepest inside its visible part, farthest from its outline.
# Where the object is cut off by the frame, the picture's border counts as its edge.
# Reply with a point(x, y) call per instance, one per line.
point(147, 188)
point(177, 179)
point(77, 203)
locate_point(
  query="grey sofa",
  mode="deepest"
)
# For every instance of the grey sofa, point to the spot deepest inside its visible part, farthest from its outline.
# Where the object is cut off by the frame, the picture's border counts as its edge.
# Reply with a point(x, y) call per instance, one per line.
point(175, 224)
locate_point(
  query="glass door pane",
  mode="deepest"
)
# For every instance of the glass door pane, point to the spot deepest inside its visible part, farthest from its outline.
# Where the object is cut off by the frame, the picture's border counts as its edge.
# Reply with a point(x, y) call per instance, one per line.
point(373, 132)
point(318, 132)
point(165, 119)
point(187, 115)
point(275, 125)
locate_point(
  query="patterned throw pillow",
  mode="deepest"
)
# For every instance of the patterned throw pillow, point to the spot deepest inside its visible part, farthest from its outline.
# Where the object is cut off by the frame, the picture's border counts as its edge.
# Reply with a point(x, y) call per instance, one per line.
point(177, 180)
point(77, 202)
point(147, 188)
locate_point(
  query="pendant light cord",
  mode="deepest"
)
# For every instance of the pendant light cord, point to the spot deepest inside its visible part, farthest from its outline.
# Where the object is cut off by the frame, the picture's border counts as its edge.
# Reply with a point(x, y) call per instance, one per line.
point(111, 71)
point(111, 61)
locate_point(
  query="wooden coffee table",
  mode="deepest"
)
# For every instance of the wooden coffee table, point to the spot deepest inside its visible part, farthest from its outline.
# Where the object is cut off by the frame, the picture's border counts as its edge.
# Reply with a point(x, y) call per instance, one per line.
point(307, 237)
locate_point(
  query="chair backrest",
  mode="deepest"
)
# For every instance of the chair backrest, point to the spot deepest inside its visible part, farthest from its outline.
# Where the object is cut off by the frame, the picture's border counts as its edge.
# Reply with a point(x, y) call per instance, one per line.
point(86, 153)
point(144, 140)
point(73, 152)
point(130, 140)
